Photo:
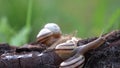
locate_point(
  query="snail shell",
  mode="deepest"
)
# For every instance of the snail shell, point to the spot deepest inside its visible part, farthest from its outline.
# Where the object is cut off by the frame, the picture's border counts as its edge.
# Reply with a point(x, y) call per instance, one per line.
point(43, 34)
point(53, 27)
point(73, 62)
point(64, 50)
point(49, 34)
point(69, 44)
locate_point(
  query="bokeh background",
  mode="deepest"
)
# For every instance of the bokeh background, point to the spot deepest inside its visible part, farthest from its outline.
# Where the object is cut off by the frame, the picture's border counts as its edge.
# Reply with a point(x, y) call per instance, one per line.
point(21, 20)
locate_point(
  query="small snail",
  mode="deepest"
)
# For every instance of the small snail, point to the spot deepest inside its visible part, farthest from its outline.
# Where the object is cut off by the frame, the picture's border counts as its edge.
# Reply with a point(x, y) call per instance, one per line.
point(77, 58)
point(69, 44)
point(49, 34)
point(64, 50)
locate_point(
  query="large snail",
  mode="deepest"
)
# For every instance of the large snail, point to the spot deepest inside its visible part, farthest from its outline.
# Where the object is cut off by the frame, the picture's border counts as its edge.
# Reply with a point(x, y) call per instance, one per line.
point(76, 54)
point(49, 34)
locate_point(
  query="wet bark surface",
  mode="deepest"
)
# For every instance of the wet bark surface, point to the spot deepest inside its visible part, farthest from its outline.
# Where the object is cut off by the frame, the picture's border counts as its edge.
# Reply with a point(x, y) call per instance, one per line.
point(105, 56)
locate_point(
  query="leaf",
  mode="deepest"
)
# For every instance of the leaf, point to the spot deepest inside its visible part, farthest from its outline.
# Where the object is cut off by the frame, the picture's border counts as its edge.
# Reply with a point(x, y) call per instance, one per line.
point(21, 37)
point(112, 22)
point(5, 30)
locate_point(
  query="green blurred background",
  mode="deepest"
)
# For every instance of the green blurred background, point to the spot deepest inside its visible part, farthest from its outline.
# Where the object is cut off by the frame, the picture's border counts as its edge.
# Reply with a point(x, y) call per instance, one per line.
point(21, 20)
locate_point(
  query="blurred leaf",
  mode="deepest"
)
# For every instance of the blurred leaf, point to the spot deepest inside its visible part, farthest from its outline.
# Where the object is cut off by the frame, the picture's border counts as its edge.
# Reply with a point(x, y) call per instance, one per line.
point(88, 17)
point(21, 37)
point(5, 30)
point(115, 16)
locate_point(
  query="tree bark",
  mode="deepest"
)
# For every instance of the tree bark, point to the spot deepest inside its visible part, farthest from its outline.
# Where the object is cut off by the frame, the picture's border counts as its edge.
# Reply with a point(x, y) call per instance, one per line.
point(105, 56)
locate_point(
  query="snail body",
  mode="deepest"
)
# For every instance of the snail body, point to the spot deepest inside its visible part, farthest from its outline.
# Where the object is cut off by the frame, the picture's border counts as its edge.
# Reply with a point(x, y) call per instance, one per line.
point(77, 58)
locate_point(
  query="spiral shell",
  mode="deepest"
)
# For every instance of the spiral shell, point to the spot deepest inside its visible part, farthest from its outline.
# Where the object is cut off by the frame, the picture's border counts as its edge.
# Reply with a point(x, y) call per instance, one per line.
point(69, 44)
point(43, 34)
point(51, 31)
point(73, 62)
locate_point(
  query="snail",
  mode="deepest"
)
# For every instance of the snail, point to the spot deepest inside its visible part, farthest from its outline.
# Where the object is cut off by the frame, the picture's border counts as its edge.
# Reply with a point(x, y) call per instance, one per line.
point(74, 55)
point(78, 59)
point(49, 34)
point(65, 49)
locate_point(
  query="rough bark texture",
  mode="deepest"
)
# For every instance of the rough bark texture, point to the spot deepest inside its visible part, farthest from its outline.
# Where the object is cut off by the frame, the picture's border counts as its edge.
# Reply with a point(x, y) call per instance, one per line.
point(105, 56)
point(27, 57)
